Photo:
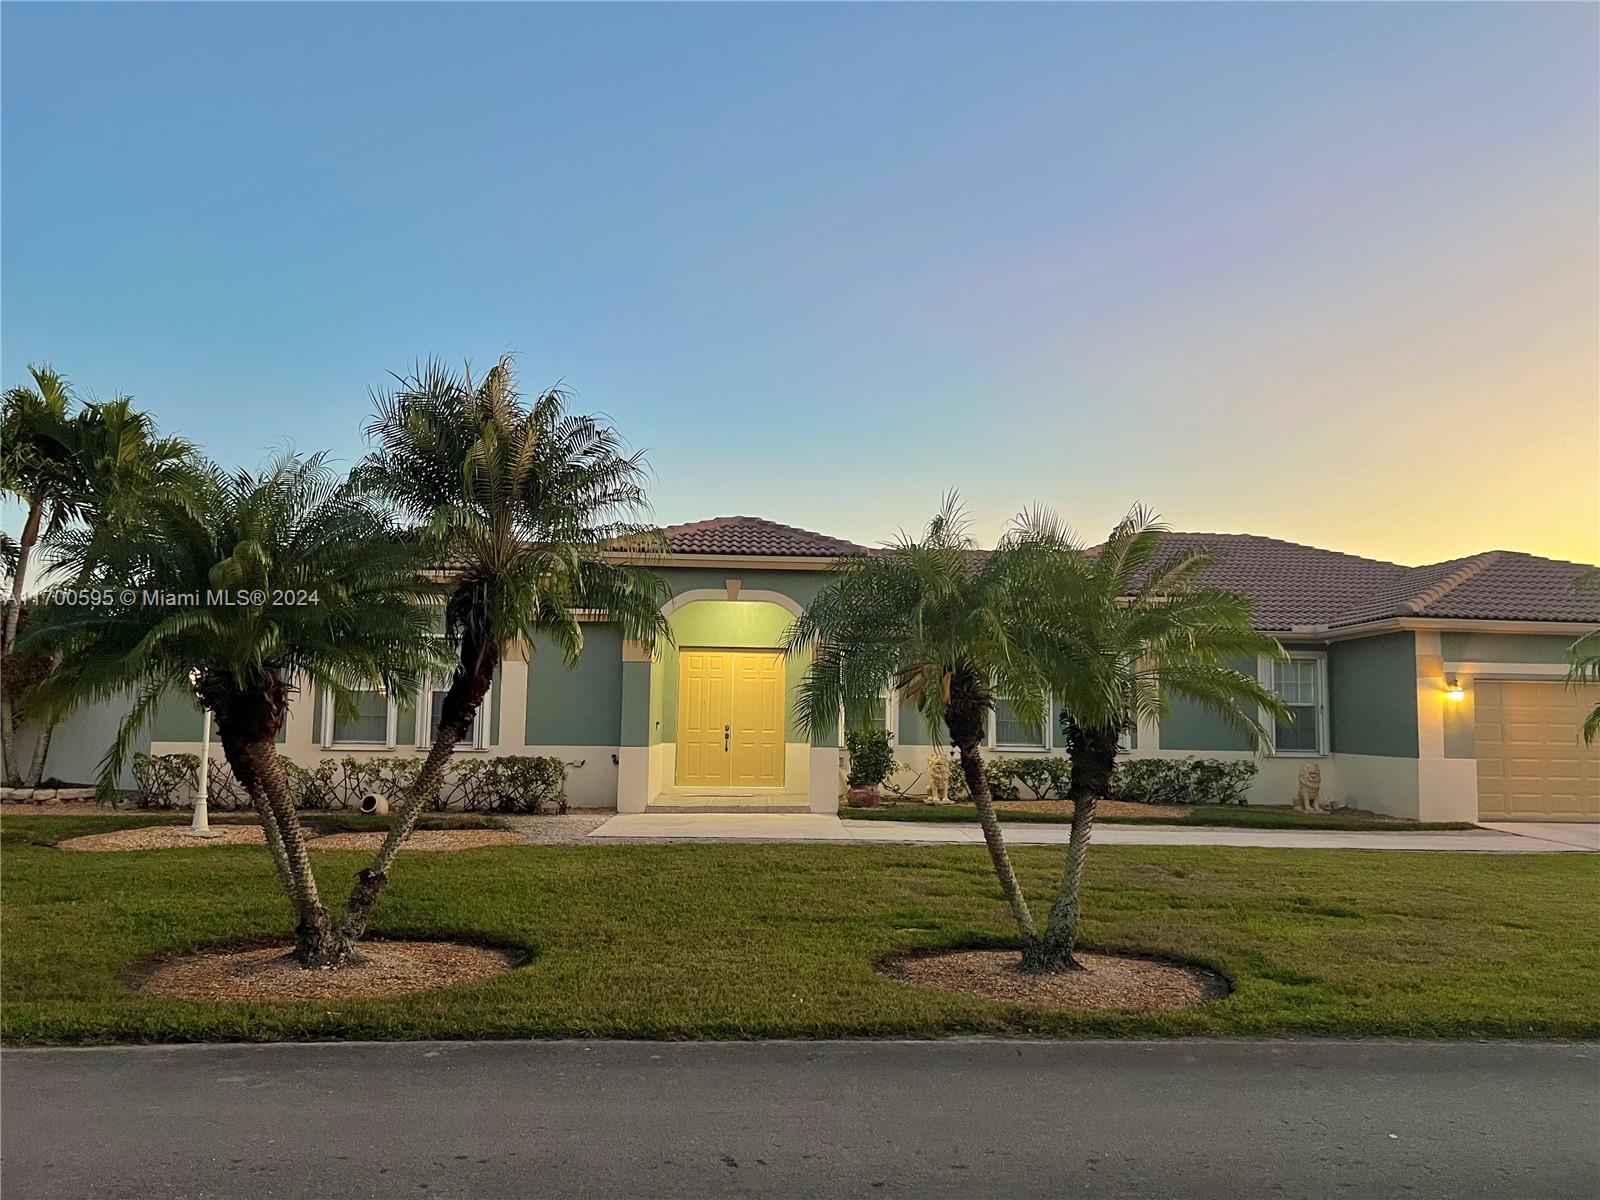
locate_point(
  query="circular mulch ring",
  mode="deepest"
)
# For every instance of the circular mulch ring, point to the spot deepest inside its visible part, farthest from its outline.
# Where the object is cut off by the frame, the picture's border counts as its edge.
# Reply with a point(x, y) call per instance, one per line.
point(166, 837)
point(421, 839)
point(1109, 981)
point(176, 837)
point(270, 974)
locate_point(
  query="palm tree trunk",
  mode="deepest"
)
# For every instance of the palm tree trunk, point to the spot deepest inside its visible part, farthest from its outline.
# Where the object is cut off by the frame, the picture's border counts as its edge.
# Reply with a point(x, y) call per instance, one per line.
point(41, 751)
point(978, 785)
point(459, 709)
point(25, 544)
point(256, 765)
point(371, 881)
point(1093, 754)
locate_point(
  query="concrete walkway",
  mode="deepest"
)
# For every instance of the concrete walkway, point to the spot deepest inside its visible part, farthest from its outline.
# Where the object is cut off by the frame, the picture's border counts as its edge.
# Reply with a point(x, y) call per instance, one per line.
point(775, 827)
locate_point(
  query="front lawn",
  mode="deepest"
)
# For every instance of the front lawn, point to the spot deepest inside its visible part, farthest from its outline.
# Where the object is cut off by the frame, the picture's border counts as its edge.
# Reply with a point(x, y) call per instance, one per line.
point(737, 941)
point(1226, 816)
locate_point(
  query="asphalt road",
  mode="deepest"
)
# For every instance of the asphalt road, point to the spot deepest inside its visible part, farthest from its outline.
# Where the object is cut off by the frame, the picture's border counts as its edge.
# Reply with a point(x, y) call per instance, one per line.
point(931, 1119)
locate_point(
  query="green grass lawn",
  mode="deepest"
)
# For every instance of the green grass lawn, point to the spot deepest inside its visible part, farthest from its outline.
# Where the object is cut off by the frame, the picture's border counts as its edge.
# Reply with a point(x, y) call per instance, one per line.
point(1226, 816)
point(738, 941)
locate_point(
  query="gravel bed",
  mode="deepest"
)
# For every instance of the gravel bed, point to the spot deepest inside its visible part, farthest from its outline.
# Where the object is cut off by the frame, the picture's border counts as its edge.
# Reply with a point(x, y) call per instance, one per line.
point(434, 840)
point(1108, 982)
point(269, 973)
point(166, 837)
point(174, 837)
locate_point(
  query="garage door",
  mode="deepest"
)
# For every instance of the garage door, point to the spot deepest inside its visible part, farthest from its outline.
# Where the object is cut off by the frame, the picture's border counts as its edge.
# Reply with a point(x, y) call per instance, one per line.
point(1532, 762)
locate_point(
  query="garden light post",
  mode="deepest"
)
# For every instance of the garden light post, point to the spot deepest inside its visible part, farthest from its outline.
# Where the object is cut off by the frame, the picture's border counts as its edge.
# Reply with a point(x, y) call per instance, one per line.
point(200, 826)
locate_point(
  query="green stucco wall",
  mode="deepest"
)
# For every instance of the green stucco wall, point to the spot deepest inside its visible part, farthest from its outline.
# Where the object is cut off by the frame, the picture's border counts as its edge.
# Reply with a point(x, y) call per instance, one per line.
point(1372, 695)
point(1504, 647)
point(176, 719)
point(580, 706)
point(1191, 726)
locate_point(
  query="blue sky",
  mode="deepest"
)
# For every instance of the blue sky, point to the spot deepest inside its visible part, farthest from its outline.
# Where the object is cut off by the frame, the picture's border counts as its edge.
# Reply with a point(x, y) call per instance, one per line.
point(1323, 272)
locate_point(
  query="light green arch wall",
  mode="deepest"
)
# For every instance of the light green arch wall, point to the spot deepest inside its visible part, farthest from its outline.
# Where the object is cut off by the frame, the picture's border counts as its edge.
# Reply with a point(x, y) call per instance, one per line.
point(732, 625)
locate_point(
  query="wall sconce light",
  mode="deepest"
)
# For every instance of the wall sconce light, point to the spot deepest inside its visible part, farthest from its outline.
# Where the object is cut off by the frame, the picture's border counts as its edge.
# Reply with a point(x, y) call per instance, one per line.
point(1454, 690)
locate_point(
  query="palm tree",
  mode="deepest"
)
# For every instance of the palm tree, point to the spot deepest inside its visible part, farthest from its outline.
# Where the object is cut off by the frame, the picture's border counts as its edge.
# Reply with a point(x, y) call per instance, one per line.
point(278, 579)
point(528, 511)
point(1107, 633)
point(118, 463)
point(1584, 657)
point(946, 624)
point(1118, 632)
point(39, 469)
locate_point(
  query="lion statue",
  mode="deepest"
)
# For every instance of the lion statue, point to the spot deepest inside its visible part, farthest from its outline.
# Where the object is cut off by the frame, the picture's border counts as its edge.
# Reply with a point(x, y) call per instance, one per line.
point(939, 779)
point(1307, 798)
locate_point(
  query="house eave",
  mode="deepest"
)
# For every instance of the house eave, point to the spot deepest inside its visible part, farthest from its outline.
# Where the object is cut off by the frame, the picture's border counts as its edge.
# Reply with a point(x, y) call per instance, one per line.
point(1339, 633)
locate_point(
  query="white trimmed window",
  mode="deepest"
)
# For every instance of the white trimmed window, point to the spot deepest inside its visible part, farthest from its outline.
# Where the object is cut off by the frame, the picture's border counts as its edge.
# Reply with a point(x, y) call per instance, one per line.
point(882, 712)
point(370, 727)
point(1301, 682)
point(1007, 732)
point(431, 699)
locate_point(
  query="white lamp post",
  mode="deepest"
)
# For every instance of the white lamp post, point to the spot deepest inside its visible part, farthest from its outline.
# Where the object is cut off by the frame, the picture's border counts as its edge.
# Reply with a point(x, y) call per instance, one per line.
point(200, 826)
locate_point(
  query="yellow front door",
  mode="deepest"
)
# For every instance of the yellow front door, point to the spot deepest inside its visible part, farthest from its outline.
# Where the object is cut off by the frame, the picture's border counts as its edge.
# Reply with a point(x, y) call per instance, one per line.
point(757, 719)
point(704, 716)
point(730, 718)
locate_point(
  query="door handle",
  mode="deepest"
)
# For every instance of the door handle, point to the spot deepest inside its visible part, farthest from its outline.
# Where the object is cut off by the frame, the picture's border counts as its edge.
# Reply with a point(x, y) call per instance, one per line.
point(727, 737)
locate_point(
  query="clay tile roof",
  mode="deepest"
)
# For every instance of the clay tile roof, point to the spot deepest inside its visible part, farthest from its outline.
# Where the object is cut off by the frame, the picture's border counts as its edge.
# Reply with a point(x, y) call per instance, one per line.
point(755, 536)
point(1292, 586)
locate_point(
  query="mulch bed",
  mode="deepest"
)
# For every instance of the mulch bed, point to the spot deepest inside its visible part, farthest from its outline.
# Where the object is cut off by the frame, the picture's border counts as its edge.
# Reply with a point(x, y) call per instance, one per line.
point(270, 974)
point(174, 837)
point(1110, 981)
point(421, 839)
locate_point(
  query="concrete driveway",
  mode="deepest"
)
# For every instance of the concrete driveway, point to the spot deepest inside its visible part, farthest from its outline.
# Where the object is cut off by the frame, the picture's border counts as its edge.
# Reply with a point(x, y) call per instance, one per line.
point(1202, 1120)
point(786, 827)
point(1584, 835)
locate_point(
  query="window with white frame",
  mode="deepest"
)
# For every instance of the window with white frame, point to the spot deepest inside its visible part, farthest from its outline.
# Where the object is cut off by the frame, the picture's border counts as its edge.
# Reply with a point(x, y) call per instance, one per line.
point(370, 724)
point(432, 696)
point(881, 712)
point(1007, 732)
point(1300, 681)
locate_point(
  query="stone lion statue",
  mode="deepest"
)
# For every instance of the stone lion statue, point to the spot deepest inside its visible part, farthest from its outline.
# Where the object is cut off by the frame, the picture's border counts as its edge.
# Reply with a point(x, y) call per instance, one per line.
point(1307, 798)
point(939, 779)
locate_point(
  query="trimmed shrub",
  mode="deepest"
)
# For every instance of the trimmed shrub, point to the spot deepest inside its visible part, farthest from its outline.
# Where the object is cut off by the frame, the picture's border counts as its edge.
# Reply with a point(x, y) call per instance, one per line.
point(512, 783)
point(1182, 781)
point(871, 757)
point(1046, 778)
point(165, 780)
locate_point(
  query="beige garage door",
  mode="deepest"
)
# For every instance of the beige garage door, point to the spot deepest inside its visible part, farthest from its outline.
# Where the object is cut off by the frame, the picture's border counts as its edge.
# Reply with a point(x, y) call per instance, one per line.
point(1532, 762)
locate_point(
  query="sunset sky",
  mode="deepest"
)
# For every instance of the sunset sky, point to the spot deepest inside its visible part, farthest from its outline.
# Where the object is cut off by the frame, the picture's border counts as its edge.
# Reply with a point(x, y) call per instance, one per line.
point(1328, 273)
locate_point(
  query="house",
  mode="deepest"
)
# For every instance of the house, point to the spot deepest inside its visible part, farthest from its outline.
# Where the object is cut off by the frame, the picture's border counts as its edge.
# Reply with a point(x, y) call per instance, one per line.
point(1431, 692)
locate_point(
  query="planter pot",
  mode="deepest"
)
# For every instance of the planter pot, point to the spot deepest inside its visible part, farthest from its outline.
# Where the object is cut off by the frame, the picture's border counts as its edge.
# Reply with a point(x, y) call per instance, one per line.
point(864, 796)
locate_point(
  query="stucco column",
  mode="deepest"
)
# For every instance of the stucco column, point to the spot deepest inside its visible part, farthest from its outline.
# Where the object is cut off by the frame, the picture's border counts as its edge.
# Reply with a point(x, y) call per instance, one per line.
point(1447, 788)
point(634, 740)
point(825, 761)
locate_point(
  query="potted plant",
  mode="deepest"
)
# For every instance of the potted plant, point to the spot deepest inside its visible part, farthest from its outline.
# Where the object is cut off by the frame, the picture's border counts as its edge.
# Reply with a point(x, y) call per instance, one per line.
point(871, 762)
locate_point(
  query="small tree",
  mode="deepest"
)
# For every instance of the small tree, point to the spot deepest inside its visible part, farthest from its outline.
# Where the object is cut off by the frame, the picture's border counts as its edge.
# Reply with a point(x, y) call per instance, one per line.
point(1117, 632)
point(1584, 657)
point(275, 580)
point(525, 507)
point(946, 624)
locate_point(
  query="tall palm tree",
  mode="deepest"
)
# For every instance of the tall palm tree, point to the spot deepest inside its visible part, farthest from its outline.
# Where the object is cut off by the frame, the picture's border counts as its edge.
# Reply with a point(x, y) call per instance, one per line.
point(524, 509)
point(1584, 657)
point(279, 579)
point(119, 464)
point(39, 469)
point(1117, 633)
point(947, 625)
